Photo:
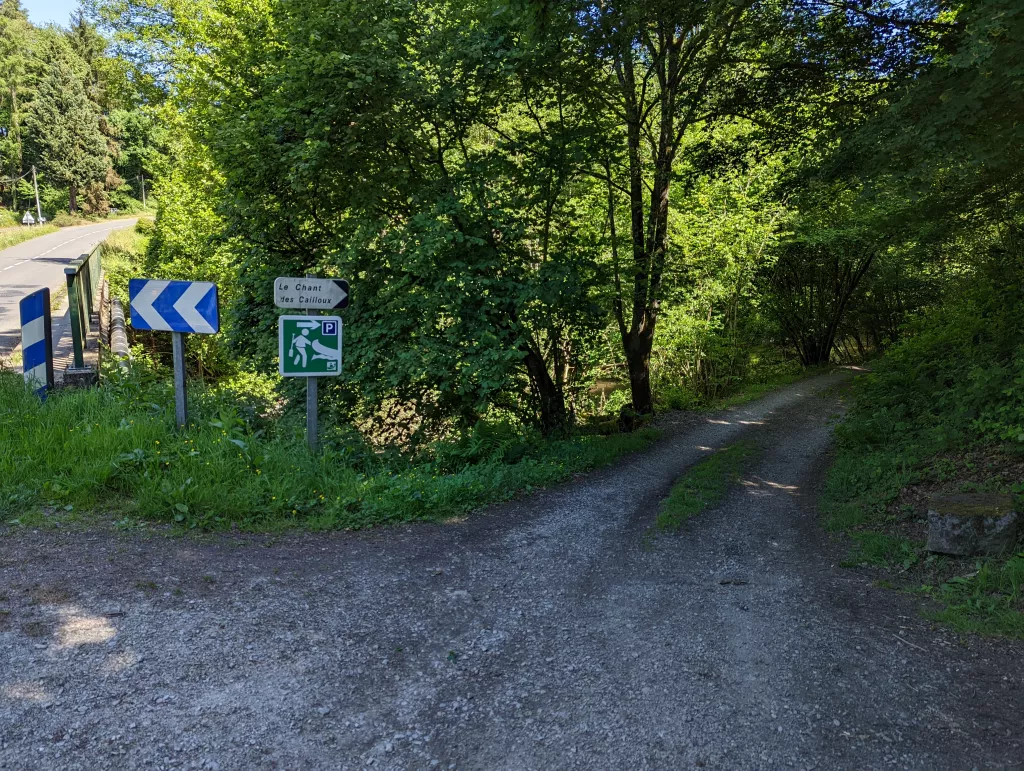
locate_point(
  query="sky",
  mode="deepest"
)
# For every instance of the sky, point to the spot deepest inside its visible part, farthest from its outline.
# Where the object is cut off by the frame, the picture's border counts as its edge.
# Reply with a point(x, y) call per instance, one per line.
point(46, 11)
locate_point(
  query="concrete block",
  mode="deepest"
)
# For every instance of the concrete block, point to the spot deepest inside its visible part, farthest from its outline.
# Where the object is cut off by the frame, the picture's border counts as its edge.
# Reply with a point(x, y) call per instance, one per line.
point(85, 377)
point(972, 523)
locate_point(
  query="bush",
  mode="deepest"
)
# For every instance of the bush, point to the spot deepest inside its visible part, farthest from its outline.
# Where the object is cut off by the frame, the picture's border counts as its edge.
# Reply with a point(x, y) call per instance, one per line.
point(65, 220)
point(122, 200)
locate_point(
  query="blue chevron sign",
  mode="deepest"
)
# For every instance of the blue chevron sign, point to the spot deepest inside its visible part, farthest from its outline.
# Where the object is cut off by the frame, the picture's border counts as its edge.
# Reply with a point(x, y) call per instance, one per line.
point(174, 306)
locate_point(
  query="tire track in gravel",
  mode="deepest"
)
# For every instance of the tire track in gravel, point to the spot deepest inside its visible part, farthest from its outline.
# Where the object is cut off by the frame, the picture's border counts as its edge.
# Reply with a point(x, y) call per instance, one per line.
point(550, 632)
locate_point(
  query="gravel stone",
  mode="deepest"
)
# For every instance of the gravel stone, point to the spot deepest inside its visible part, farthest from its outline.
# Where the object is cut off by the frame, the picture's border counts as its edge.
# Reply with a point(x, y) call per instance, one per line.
point(584, 640)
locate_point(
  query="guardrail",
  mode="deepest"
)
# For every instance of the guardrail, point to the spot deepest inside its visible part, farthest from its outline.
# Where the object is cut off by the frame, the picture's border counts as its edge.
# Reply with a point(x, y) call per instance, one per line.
point(83, 276)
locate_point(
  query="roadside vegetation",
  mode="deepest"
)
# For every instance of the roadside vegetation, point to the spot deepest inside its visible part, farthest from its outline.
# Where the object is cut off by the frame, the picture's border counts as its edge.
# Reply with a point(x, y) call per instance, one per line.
point(556, 219)
point(114, 451)
point(76, 118)
point(942, 412)
point(15, 236)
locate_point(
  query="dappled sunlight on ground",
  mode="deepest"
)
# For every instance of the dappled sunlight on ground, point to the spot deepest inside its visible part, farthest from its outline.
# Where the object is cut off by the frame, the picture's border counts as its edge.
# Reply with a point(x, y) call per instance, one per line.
point(119, 662)
point(80, 628)
point(765, 487)
point(25, 691)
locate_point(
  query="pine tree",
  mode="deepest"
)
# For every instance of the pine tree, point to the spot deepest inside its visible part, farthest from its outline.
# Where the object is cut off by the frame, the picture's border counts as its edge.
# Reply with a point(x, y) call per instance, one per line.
point(64, 124)
point(15, 43)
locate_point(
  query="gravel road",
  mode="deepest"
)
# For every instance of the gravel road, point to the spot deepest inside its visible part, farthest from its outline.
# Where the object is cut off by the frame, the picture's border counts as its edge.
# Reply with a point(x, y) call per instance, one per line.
point(556, 631)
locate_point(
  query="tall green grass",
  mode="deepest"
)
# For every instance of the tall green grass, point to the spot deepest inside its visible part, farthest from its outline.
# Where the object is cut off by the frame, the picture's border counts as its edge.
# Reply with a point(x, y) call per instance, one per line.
point(114, 450)
point(15, 236)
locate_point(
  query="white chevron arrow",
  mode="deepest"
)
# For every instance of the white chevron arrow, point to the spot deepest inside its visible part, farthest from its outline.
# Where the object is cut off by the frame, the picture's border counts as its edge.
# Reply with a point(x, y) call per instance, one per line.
point(186, 307)
point(142, 303)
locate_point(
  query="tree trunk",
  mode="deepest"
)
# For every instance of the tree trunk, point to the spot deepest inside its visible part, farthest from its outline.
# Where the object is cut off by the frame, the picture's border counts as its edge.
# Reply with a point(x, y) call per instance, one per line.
point(638, 360)
point(554, 419)
point(73, 198)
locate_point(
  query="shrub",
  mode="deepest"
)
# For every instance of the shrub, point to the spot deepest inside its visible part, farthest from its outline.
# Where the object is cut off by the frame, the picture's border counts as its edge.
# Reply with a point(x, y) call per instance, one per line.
point(64, 220)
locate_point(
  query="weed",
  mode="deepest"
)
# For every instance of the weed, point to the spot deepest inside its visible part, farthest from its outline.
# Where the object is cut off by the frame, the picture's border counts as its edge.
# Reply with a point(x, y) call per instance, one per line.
point(49, 595)
point(872, 548)
point(704, 485)
point(14, 236)
point(35, 629)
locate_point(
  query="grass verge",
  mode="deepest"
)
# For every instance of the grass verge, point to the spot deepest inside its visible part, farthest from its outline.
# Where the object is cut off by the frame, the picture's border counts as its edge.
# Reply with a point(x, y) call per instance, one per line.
point(704, 485)
point(940, 413)
point(114, 450)
point(21, 234)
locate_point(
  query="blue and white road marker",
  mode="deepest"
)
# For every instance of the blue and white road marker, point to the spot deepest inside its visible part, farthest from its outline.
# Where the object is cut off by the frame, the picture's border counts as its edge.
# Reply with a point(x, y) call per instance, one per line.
point(174, 306)
point(36, 341)
point(178, 307)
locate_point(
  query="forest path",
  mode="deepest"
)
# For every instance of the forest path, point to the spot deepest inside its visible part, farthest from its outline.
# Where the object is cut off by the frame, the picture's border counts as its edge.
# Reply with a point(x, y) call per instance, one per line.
point(556, 631)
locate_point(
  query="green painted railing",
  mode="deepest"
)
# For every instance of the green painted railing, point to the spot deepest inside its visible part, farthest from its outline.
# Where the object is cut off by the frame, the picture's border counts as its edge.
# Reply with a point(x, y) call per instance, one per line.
point(84, 276)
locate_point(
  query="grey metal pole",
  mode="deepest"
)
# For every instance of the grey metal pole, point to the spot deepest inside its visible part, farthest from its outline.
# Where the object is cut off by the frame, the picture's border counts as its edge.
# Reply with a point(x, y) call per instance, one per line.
point(143, 178)
point(39, 209)
point(180, 395)
point(312, 427)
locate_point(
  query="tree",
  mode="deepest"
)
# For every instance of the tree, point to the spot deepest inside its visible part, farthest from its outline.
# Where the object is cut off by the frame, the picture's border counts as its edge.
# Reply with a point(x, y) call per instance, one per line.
point(653, 70)
point(65, 124)
point(15, 43)
point(404, 171)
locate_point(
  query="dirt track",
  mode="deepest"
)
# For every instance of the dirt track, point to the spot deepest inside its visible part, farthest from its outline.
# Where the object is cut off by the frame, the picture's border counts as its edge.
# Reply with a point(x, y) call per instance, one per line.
point(553, 632)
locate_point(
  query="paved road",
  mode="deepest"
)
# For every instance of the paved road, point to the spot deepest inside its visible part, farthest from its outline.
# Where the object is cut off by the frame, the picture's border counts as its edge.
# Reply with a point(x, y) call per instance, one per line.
point(551, 632)
point(39, 263)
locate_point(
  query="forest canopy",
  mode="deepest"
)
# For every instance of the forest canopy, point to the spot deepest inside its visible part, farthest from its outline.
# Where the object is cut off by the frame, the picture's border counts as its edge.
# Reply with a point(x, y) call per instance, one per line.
point(69, 110)
point(552, 211)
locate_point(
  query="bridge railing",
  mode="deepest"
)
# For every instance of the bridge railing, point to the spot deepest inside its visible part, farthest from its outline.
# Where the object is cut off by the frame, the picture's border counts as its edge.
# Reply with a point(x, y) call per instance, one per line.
point(84, 277)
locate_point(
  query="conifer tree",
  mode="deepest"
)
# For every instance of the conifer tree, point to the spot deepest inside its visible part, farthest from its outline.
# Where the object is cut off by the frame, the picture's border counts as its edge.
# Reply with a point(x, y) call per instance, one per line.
point(64, 125)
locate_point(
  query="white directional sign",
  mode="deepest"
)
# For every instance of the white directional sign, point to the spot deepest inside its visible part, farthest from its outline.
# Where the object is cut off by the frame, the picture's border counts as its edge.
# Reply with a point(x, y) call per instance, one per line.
point(311, 293)
point(174, 306)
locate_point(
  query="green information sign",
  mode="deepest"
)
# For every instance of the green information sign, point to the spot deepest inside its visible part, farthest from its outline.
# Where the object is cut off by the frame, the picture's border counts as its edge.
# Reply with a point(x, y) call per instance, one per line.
point(309, 346)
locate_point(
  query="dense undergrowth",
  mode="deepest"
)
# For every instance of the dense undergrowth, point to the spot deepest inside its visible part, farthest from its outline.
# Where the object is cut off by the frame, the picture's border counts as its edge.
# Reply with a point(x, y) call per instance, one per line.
point(942, 412)
point(114, 450)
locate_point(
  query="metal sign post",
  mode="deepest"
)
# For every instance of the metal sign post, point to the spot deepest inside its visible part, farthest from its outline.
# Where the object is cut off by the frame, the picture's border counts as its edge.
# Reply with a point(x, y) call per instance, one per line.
point(178, 307)
point(313, 406)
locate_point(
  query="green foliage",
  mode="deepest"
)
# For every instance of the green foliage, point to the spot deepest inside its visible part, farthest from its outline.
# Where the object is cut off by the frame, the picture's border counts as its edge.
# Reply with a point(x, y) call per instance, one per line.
point(704, 485)
point(987, 601)
point(955, 384)
point(64, 123)
point(115, 450)
point(122, 251)
point(881, 549)
point(65, 220)
point(12, 237)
